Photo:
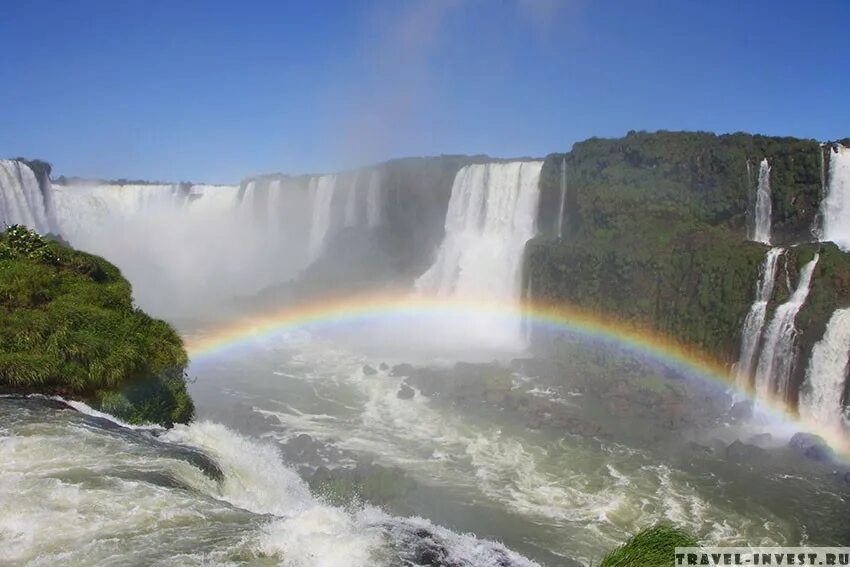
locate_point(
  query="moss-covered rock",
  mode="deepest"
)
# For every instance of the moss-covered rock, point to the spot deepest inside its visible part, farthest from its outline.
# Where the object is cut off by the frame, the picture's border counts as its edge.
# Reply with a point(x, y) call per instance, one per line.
point(69, 327)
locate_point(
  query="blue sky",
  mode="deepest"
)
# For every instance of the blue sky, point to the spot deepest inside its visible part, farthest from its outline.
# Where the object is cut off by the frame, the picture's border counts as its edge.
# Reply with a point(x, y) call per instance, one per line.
point(190, 90)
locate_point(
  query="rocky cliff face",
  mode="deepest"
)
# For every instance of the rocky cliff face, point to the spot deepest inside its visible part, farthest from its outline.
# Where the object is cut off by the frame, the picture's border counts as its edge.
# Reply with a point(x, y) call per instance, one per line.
point(654, 233)
point(694, 175)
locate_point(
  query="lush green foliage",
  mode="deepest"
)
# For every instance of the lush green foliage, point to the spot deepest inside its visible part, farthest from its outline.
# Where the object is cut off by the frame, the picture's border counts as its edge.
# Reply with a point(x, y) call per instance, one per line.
point(655, 233)
point(69, 327)
point(694, 175)
point(652, 547)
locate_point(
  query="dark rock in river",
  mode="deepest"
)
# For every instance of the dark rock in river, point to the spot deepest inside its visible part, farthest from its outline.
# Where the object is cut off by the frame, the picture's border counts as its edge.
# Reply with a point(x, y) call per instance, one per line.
point(405, 392)
point(742, 452)
point(402, 370)
point(369, 370)
point(811, 446)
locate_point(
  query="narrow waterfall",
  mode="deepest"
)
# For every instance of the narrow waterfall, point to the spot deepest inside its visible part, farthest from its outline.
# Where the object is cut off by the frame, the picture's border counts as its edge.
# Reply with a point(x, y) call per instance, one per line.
point(351, 208)
point(373, 200)
point(491, 215)
point(826, 376)
point(22, 200)
point(777, 354)
point(563, 197)
point(363, 204)
point(322, 190)
point(763, 206)
point(835, 208)
point(754, 322)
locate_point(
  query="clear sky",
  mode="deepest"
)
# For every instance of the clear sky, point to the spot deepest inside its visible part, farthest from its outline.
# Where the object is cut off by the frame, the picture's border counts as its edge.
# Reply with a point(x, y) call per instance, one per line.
point(191, 90)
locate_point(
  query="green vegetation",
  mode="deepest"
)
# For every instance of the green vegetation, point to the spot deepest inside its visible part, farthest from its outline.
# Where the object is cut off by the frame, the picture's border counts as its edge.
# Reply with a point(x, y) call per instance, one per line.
point(655, 234)
point(69, 327)
point(652, 547)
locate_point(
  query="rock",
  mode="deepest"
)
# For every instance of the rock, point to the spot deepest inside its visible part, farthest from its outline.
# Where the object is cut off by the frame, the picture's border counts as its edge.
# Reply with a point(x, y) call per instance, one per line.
point(811, 446)
point(405, 392)
point(369, 370)
point(742, 452)
point(761, 439)
point(402, 370)
point(383, 366)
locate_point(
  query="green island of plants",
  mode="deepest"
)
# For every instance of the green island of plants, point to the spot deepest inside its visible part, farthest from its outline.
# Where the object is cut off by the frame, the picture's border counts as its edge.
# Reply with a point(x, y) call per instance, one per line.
point(68, 327)
point(651, 547)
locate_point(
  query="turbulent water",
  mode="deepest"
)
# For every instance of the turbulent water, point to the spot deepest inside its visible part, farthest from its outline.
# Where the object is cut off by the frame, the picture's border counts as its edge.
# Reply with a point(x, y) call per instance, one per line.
point(777, 355)
point(310, 451)
point(835, 207)
point(763, 206)
point(754, 323)
point(81, 491)
point(826, 375)
point(491, 215)
point(22, 200)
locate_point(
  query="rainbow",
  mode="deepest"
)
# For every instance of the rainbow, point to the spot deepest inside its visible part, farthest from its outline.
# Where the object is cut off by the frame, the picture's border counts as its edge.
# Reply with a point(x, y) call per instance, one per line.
point(328, 313)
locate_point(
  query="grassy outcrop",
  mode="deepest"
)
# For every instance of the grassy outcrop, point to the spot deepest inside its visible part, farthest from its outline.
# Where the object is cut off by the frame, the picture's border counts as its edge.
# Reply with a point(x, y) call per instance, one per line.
point(68, 327)
point(652, 547)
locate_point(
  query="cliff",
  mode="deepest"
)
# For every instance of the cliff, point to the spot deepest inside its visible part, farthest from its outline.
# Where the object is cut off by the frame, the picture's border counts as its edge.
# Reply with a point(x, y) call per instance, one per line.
point(654, 233)
point(68, 327)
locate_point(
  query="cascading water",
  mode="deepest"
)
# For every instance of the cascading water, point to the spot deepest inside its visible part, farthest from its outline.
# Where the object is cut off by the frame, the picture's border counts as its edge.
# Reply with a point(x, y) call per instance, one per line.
point(763, 206)
point(754, 322)
point(777, 355)
point(351, 209)
point(491, 215)
point(21, 198)
point(835, 208)
point(563, 197)
point(373, 200)
point(826, 376)
point(322, 190)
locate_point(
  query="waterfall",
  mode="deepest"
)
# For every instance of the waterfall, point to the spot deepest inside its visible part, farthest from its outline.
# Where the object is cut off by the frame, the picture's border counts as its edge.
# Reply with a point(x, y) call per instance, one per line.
point(563, 197)
point(820, 398)
point(754, 322)
point(351, 209)
point(763, 208)
point(373, 200)
point(322, 190)
point(835, 208)
point(777, 354)
point(491, 215)
point(22, 200)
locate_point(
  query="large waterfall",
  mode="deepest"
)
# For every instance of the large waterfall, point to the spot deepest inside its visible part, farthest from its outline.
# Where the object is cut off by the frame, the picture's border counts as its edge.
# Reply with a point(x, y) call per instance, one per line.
point(754, 322)
point(491, 215)
point(777, 355)
point(184, 246)
point(835, 208)
point(21, 198)
point(763, 206)
point(826, 376)
point(563, 200)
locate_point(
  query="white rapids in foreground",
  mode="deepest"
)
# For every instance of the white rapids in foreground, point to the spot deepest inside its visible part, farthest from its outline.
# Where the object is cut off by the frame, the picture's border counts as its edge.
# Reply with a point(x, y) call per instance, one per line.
point(79, 490)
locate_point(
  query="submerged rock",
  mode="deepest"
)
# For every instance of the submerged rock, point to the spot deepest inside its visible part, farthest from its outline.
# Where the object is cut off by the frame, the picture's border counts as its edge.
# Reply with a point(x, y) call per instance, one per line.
point(811, 446)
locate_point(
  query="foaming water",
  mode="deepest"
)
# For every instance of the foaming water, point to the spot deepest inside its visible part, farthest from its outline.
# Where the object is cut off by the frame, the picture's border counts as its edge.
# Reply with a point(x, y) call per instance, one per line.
point(74, 492)
point(582, 495)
